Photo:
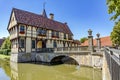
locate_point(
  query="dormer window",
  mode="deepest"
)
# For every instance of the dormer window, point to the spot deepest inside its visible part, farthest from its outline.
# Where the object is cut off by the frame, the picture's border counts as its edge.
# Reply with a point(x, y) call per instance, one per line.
point(22, 29)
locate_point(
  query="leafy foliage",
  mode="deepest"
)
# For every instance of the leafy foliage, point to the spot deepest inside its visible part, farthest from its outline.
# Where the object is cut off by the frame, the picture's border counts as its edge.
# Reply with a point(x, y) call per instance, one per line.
point(115, 34)
point(114, 8)
point(82, 40)
point(6, 44)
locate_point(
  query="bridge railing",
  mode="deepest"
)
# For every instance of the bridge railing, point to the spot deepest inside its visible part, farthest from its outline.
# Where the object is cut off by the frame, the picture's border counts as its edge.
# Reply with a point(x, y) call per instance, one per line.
point(61, 49)
point(44, 50)
point(113, 61)
point(70, 49)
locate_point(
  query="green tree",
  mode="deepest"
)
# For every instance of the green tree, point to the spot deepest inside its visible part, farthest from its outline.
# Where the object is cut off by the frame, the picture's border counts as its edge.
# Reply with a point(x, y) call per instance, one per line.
point(82, 40)
point(6, 44)
point(114, 8)
point(115, 34)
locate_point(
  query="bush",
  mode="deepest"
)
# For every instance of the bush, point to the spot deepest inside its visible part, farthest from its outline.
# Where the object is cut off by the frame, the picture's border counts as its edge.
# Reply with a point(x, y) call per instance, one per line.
point(1, 51)
point(5, 51)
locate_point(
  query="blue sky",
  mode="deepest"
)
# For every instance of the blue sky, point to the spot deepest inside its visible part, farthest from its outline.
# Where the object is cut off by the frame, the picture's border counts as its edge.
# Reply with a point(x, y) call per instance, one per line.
point(80, 15)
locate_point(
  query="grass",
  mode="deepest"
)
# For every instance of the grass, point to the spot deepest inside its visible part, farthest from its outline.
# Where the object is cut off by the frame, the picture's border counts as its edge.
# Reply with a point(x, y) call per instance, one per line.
point(4, 56)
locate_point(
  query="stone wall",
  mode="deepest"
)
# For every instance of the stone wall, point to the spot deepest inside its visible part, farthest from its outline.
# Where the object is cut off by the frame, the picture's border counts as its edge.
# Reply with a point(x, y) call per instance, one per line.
point(86, 59)
point(105, 71)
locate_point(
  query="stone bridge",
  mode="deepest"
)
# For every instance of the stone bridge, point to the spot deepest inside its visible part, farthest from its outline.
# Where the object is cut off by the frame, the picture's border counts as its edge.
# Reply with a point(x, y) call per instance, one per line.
point(83, 58)
point(62, 55)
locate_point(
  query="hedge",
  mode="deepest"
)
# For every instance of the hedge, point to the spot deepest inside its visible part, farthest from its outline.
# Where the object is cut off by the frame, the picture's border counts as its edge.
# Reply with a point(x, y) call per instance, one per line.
point(5, 51)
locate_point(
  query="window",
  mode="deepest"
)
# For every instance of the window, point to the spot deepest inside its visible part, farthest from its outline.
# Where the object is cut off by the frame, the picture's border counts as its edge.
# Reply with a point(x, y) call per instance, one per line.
point(52, 33)
point(70, 37)
point(22, 28)
point(41, 32)
point(64, 36)
point(55, 44)
point(33, 43)
point(22, 43)
point(57, 34)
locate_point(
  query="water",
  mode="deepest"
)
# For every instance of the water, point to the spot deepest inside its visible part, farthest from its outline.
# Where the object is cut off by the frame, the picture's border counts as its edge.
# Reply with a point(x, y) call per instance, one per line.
point(31, 71)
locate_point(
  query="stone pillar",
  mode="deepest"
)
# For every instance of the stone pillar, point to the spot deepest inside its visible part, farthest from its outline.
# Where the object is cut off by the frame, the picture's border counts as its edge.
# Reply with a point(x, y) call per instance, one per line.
point(90, 40)
point(98, 41)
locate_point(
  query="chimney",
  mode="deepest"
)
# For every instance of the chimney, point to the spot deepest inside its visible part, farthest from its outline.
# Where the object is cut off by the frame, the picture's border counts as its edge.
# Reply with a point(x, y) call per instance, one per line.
point(65, 23)
point(51, 16)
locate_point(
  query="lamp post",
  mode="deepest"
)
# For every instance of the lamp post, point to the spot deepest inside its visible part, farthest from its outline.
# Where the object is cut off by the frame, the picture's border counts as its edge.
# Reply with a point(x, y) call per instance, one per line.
point(90, 32)
point(98, 41)
point(98, 35)
point(90, 40)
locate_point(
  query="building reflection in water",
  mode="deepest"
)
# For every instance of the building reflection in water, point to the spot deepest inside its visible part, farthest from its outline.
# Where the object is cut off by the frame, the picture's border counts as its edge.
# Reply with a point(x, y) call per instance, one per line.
point(29, 71)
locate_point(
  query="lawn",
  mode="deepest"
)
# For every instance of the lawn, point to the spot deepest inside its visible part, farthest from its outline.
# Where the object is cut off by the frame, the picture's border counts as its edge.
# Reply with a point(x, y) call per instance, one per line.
point(4, 56)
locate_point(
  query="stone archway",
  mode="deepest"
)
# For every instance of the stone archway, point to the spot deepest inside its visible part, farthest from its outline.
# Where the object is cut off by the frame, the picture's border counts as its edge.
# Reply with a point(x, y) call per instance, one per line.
point(38, 58)
point(60, 59)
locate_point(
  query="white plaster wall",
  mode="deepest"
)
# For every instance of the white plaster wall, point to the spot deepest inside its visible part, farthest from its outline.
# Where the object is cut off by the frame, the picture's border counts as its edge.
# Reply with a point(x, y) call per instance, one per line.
point(66, 45)
point(13, 33)
point(29, 31)
point(14, 46)
point(12, 21)
point(49, 34)
point(66, 36)
point(49, 44)
point(28, 45)
point(34, 32)
point(61, 36)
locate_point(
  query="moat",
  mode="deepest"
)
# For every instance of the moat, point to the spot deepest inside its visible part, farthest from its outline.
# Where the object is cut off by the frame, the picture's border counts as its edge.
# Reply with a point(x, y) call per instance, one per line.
point(32, 71)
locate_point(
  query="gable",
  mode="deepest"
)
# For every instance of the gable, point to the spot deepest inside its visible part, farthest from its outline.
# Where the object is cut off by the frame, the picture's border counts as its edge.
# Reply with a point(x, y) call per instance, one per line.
point(12, 21)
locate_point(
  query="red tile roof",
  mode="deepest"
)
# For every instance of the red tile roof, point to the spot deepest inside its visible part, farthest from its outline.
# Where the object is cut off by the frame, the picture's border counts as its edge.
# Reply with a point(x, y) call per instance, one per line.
point(105, 41)
point(1, 41)
point(37, 20)
point(76, 42)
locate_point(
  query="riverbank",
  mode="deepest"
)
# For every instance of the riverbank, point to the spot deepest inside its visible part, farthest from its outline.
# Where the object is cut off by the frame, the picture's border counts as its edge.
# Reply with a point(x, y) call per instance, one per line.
point(4, 57)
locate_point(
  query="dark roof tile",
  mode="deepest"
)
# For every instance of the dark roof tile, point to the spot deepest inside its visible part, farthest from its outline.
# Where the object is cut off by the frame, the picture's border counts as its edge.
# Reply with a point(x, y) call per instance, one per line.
point(36, 20)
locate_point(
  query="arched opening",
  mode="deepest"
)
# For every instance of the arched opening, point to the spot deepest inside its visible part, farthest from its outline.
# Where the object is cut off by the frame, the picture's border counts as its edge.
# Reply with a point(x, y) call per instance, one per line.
point(39, 44)
point(63, 59)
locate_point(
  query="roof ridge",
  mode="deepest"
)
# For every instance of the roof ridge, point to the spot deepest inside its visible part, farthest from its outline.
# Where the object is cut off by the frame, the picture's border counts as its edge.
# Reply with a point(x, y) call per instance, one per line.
point(37, 20)
point(27, 11)
point(38, 15)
